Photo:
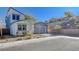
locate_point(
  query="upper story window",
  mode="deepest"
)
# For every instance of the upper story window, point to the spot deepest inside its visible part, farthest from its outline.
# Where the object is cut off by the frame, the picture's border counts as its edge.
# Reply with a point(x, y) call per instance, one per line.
point(15, 17)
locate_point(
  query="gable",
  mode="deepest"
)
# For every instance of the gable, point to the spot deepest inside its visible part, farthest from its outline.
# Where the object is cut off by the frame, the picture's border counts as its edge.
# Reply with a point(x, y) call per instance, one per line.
point(14, 11)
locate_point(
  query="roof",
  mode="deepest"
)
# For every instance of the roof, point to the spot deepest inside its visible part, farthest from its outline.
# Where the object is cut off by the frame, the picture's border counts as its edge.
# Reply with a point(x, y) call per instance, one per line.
point(41, 23)
point(15, 10)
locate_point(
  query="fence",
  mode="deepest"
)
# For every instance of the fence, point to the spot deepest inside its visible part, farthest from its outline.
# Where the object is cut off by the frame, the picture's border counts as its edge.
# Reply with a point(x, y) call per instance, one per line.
point(74, 32)
point(5, 32)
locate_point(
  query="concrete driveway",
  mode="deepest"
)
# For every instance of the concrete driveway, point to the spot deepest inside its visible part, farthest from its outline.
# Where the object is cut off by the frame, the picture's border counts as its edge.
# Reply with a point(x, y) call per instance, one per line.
point(57, 43)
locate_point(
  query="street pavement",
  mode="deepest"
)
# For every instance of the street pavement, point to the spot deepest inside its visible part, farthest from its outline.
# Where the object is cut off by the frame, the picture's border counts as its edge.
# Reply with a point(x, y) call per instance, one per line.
point(57, 43)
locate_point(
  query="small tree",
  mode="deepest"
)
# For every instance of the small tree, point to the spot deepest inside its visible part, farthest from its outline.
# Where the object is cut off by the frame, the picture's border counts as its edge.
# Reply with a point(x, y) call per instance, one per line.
point(68, 14)
point(57, 28)
point(31, 20)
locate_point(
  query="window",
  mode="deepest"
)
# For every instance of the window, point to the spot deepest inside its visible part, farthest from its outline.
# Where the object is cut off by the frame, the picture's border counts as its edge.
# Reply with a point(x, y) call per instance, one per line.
point(21, 27)
point(15, 17)
point(24, 27)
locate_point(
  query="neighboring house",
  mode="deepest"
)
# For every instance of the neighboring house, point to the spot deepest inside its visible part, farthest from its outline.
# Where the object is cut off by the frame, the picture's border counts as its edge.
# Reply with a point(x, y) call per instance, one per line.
point(71, 22)
point(53, 23)
point(40, 28)
point(67, 23)
point(15, 21)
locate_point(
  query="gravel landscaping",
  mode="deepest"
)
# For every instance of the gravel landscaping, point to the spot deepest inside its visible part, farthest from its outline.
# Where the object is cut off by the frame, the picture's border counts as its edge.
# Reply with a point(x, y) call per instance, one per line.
point(6, 39)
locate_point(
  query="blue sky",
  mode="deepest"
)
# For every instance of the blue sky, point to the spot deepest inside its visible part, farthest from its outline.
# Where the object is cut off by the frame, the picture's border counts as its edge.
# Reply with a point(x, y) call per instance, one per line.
point(41, 13)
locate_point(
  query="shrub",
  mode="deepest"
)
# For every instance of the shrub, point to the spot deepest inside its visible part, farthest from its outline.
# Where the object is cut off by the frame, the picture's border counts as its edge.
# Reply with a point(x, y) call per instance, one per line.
point(58, 28)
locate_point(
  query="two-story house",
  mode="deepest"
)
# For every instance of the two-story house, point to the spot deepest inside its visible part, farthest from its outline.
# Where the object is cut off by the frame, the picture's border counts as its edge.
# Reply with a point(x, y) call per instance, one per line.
point(15, 21)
